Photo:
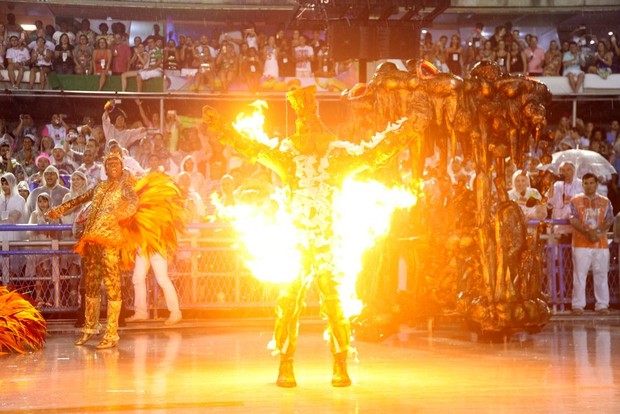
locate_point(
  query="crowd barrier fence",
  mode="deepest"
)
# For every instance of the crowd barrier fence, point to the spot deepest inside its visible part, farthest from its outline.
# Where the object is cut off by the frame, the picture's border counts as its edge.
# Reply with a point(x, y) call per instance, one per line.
point(208, 273)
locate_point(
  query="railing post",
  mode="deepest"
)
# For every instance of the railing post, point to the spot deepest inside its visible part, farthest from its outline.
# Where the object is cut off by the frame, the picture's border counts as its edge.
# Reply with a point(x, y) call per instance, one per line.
point(56, 273)
point(193, 265)
point(6, 264)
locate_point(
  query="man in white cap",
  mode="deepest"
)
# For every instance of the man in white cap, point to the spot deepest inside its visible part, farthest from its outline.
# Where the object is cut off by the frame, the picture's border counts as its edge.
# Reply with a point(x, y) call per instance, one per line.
point(60, 160)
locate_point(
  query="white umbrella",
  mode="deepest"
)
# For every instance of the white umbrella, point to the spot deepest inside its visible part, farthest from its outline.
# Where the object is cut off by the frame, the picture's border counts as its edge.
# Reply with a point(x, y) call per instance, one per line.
point(585, 161)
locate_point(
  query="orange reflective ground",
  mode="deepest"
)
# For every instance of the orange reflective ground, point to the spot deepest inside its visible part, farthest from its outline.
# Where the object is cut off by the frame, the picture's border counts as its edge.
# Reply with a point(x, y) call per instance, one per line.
point(212, 367)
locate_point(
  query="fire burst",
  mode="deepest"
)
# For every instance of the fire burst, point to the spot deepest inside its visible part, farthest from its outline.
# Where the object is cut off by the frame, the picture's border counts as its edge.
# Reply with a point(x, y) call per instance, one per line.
point(274, 232)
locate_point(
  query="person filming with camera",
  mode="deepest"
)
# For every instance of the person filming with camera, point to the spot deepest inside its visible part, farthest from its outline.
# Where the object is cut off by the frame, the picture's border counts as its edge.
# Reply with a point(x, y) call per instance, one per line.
point(559, 196)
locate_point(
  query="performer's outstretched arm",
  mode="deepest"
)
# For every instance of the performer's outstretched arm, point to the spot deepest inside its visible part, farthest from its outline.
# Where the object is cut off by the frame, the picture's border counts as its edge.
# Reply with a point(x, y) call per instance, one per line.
point(58, 211)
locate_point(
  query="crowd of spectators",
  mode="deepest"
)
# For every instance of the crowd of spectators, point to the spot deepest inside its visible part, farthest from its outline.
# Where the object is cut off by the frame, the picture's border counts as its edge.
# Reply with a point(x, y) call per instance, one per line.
point(579, 54)
point(242, 56)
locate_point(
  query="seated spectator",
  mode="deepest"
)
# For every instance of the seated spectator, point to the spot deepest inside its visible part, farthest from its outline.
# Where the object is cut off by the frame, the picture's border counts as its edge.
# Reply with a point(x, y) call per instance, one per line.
point(125, 137)
point(227, 63)
point(11, 207)
point(24, 190)
point(41, 162)
point(327, 65)
point(51, 185)
point(186, 53)
point(303, 55)
point(25, 127)
point(40, 265)
point(41, 58)
point(18, 58)
point(535, 56)
point(553, 60)
point(528, 198)
point(603, 59)
point(27, 155)
point(104, 34)
point(102, 59)
point(83, 55)
point(78, 185)
point(517, 62)
point(63, 31)
point(60, 160)
point(571, 67)
point(171, 56)
point(250, 70)
point(121, 54)
point(64, 61)
point(92, 170)
point(138, 61)
point(286, 61)
point(205, 63)
point(152, 69)
point(75, 144)
point(270, 57)
point(7, 162)
point(86, 31)
point(188, 165)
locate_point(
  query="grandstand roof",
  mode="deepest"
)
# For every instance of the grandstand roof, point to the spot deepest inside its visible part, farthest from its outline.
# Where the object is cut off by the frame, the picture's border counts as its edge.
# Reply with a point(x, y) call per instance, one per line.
point(564, 15)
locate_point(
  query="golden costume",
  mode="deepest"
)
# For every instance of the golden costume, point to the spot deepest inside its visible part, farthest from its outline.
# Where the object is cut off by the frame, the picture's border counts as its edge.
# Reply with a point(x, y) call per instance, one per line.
point(312, 163)
point(100, 247)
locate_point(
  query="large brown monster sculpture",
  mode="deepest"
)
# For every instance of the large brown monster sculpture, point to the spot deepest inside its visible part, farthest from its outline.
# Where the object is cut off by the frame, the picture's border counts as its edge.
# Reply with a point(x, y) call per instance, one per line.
point(490, 256)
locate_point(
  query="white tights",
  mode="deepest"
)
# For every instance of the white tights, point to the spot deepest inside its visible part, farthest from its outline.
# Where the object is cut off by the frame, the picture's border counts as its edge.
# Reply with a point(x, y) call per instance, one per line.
point(160, 268)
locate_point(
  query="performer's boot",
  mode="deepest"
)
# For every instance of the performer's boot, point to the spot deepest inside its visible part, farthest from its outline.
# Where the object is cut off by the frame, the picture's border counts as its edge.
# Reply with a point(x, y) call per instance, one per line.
point(81, 318)
point(286, 376)
point(340, 377)
point(110, 340)
point(91, 323)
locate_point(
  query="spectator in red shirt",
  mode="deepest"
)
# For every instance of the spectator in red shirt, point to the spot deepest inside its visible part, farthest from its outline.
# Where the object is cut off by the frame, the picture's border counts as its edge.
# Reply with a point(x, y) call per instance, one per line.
point(121, 54)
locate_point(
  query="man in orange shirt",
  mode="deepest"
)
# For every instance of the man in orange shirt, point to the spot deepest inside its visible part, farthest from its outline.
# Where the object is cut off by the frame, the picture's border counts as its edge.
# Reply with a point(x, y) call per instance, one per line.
point(591, 215)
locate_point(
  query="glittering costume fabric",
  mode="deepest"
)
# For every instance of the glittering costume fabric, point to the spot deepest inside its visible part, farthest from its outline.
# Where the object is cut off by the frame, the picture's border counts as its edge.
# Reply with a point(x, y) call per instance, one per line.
point(312, 163)
point(112, 201)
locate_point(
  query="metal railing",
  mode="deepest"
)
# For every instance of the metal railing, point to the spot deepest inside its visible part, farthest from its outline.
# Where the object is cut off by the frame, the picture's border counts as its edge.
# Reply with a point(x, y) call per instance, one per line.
point(208, 273)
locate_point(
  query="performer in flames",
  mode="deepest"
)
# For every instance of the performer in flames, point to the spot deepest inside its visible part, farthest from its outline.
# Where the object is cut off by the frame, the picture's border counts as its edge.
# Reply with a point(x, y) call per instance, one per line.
point(312, 164)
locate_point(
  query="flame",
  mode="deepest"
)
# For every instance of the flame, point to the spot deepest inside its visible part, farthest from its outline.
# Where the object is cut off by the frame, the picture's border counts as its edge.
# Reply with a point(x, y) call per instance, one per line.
point(251, 126)
point(362, 214)
point(273, 243)
point(268, 238)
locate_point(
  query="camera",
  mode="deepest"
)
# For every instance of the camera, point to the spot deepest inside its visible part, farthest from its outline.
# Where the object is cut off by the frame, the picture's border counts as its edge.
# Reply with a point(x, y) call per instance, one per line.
point(532, 202)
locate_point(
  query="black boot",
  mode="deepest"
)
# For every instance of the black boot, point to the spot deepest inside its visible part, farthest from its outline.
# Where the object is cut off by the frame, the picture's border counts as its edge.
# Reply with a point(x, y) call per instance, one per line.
point(286, 376)
point(340, 377)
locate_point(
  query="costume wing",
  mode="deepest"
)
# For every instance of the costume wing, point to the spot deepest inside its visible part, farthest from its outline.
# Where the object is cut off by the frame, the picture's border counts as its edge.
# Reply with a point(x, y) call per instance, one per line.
point(159, 219)
point(22, 327)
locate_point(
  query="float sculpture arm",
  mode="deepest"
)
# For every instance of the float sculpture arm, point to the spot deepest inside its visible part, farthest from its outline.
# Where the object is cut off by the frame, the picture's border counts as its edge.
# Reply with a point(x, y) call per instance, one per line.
point(382, 148)
point(263, 153)
point(249, 141)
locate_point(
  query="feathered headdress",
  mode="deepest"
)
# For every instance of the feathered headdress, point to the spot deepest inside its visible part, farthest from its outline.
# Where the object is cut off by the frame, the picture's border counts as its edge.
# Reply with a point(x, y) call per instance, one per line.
point(112, 156)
